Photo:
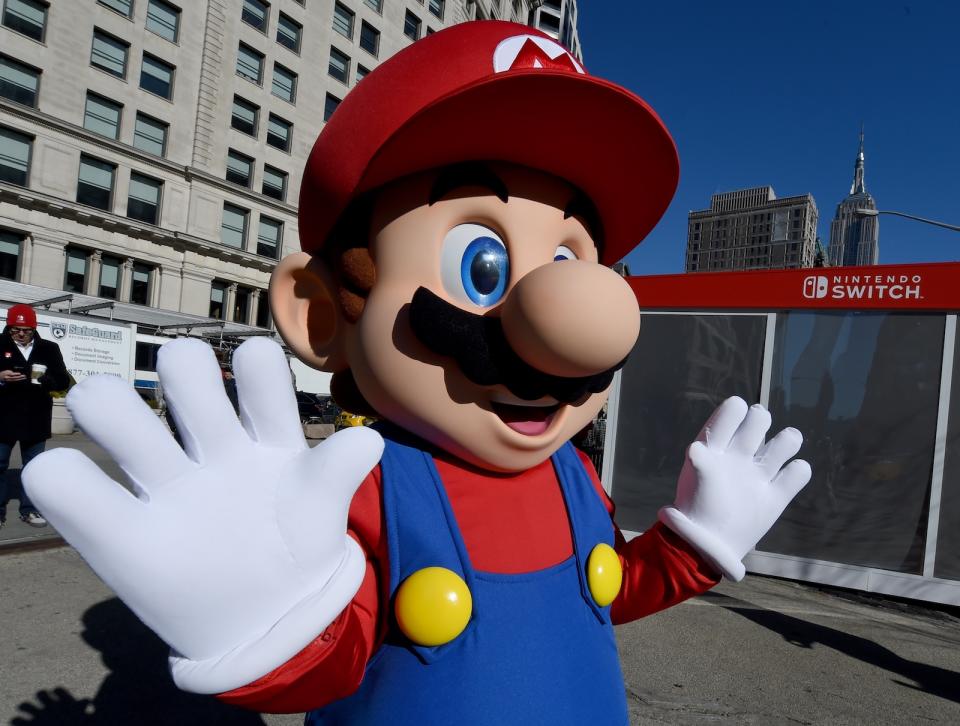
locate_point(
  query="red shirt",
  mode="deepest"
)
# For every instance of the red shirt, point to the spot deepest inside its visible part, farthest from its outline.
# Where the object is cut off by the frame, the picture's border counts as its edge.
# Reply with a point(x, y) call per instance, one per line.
point(510, 523)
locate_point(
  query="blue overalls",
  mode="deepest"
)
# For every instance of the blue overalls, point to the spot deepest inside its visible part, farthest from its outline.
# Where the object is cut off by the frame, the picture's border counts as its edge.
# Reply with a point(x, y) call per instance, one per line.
point(537, 649)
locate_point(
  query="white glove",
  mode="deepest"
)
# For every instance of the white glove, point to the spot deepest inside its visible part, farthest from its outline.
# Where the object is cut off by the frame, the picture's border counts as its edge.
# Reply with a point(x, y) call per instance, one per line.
point(733, 487)
point(234, 552)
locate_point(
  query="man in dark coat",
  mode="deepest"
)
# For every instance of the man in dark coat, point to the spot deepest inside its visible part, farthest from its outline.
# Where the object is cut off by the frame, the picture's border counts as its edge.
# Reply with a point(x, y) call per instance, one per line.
point(30, 368)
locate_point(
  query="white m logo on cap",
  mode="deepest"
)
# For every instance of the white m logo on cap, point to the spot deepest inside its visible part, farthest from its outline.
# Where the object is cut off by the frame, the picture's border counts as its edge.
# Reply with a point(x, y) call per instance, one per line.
point(531, 51)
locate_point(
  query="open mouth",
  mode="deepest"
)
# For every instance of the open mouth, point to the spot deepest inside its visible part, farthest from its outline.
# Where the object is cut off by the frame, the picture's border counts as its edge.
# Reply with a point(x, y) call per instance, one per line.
point(530, 419)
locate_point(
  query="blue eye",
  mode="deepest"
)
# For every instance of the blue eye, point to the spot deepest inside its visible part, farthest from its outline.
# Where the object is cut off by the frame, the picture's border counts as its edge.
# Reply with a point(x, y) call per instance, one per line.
point(564, 253)
point(474, 265)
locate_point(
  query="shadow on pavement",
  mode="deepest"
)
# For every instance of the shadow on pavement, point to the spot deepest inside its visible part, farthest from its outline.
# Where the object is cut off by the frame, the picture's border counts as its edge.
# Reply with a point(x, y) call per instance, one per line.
point(803, 634)
point(138, 689)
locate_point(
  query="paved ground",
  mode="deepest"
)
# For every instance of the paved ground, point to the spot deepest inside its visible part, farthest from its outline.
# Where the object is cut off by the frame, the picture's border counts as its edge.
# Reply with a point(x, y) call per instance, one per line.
point(764, 651)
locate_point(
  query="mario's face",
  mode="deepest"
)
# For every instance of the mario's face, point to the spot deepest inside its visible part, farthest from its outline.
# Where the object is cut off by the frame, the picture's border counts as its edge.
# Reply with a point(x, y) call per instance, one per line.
point(491, 330)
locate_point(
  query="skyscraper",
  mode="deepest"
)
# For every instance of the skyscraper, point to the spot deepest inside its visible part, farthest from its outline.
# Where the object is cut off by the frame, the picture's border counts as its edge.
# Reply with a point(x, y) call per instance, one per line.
point(854, 239)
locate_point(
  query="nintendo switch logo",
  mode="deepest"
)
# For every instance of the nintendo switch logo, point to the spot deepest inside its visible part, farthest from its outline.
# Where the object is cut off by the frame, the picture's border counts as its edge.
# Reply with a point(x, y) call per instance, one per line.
point(815, 287)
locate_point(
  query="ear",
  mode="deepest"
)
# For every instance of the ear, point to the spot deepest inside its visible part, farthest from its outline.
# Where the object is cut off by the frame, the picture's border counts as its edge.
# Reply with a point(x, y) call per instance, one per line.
point(303, 301)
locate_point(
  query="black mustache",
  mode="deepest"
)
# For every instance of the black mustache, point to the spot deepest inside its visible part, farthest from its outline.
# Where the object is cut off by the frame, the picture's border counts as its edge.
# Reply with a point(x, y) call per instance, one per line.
point(479, 346)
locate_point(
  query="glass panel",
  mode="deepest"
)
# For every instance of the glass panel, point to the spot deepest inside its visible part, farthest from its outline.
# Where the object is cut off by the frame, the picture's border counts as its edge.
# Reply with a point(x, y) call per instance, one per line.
point(361, 72)
point(217, 298)
point(268, 238)
point(241, 305)
point(95, 186)
point(284, 83)
point(25, 16)
point(156, 76)
point(239, 168)
point(163, 19)
point(339, 66)
point(150, 135)
point(369, 38)
point(249, 64)
point(374, 4)
point(109, 55)
point(109, 277)
point(255, 14)
point(121, 6)
point(274, 183)
point(343, 21)
point(76, 271)
point(278, 133)
point(14, 156)
point(947, 563)
point(288, 33)
point(680, 370)
point(102, 116)
point(863, 389)
point(411, 26)
point(140, 288)
point(329, 106)
point(244, 116)
point(9, 254)
point(233, 232)
point(18, 82)
point(436, 7)
point(263, 311)
point(143, 202)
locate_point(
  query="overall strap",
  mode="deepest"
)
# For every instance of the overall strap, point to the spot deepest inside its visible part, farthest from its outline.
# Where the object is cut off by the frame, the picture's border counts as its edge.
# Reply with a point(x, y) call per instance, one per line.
point(589, 519)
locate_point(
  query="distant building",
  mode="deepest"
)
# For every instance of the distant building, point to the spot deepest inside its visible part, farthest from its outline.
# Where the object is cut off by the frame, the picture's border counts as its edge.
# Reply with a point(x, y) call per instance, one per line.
point(855, 240)
point(559, 19)
point(751, 229)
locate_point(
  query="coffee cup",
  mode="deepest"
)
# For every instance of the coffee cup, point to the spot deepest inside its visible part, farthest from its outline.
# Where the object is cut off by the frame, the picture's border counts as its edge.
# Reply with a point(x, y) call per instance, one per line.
point(36, 371)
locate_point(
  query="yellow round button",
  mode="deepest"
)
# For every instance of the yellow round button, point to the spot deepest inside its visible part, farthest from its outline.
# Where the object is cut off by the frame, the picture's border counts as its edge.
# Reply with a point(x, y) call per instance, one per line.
point(433, 606)
point(604, 574)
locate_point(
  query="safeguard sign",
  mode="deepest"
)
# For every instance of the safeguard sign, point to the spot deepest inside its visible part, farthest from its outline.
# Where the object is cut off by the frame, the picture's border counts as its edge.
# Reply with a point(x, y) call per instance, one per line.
point(881, 287)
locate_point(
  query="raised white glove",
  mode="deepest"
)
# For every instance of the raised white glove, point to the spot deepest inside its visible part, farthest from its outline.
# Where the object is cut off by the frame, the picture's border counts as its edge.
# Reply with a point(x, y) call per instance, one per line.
point(733, 487)
point(235, 551)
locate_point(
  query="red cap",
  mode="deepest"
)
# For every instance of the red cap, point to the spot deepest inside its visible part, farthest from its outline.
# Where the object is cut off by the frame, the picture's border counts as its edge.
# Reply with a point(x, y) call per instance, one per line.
point(21, 316)
point(494, 91)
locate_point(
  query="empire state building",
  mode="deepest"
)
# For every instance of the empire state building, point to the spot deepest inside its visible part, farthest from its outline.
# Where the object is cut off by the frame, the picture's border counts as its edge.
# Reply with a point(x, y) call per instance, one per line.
point(854, 239)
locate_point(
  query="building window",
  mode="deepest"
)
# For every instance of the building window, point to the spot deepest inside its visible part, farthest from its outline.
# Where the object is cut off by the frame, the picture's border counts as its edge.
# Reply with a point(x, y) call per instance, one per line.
point(143, 202)
point(95, 184)
point(140, 286)
point(360, 73)
point(244, 117)
point(249, 64)
point(263, 311)
point(256, 13)
point(279, 132)
point(343, 20)
point(436, 7)
point(156, 76)
point(339, 65)
point(218, 299)
point(239, 168)
point(102, 116)
point(15, 149)
point(10, 245)
point(124, 7)
point(150, 135)
point(369, 38)
point(233, 231)
point(109, 54)
point(241, 304)
point(411, 26)
point(75, 274)
point(284, 83)
point(274, 183)
point(376, 5)
point(269, 237)
point(289, 32)
point(18, 83)
point(329, 106)
point(26, 16)
point(163, 19)
point(109, 277)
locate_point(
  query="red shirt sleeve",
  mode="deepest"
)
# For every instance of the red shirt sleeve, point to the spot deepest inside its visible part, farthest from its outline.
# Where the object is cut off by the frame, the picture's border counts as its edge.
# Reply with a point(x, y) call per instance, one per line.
point(332, 666)
point(659, 568)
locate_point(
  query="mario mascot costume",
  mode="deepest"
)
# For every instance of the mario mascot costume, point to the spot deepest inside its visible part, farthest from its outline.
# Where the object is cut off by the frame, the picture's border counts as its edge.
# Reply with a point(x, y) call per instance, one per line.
point(457, 563)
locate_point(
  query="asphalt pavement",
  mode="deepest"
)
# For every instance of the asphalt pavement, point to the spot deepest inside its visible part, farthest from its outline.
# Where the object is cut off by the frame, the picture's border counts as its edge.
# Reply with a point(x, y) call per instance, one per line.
point(764, 651)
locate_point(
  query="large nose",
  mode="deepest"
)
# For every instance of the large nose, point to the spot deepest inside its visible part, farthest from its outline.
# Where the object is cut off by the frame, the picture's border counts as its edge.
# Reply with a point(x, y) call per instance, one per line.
point(571, 318)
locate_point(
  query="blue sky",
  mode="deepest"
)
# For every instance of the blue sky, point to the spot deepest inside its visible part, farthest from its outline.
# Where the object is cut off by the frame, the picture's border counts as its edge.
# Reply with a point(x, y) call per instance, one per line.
point(758, 93)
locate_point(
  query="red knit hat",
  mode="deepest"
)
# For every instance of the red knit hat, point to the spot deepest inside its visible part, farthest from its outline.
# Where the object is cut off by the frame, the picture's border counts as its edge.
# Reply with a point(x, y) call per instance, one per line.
point(22, 316)
point(493, 91)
